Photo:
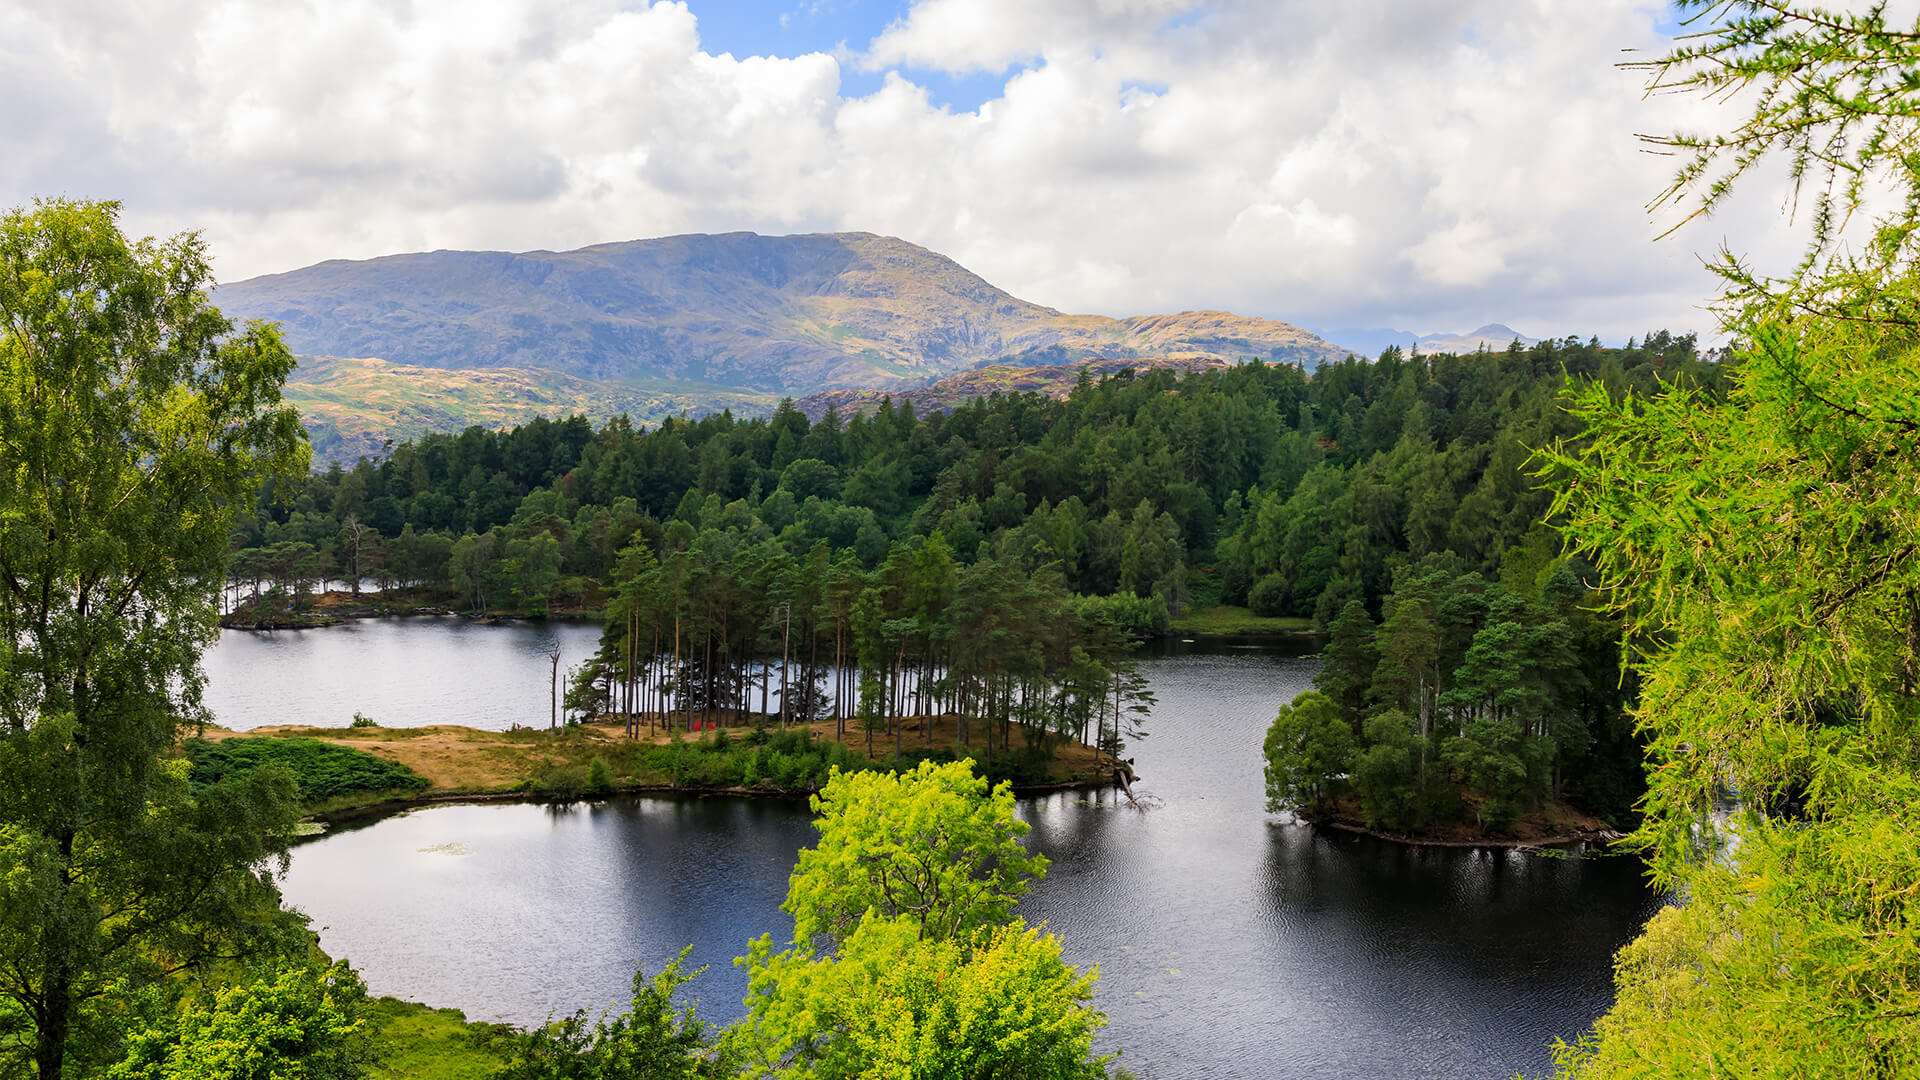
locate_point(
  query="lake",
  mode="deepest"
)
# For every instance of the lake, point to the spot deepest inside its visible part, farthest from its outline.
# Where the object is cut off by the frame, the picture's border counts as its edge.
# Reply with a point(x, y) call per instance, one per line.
point(1230, 943)
point(401, 672)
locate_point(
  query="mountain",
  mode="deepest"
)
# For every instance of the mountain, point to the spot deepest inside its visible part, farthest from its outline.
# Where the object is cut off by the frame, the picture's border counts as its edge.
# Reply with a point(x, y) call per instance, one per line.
point(1372, 342)
point(773, 314)
point(1493, 336)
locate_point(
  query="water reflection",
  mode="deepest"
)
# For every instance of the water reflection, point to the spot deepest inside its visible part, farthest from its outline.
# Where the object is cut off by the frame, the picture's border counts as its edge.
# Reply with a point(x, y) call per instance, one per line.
point(402, 672)
point(1230, 945)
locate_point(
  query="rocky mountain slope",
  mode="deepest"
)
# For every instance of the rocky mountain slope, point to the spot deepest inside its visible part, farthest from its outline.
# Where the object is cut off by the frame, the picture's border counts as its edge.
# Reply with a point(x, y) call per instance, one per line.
point(1493, 336)
point(355, 407)
point(690, 322)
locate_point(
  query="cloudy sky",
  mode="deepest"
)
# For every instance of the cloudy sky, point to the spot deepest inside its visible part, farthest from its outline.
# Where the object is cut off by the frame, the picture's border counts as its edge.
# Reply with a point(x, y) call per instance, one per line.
point(1428, 165)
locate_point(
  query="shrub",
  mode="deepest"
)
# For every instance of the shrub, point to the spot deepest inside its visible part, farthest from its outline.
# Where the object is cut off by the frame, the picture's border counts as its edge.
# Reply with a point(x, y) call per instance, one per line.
point(599, 778)
point(563, 782)
point(1268, 596)
point(322, 770)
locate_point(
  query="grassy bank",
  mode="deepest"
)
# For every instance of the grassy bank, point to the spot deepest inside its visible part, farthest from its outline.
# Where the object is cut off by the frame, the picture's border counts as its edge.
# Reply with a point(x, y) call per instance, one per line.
point(414, 1042)
point(1225, 620)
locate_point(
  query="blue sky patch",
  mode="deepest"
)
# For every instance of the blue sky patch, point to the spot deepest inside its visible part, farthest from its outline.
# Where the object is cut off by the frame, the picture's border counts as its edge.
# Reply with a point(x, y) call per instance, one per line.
point(796, 27)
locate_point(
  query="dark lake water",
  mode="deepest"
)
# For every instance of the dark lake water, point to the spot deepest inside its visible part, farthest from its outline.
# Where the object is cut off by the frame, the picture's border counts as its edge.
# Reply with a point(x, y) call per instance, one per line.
point(1230, 944)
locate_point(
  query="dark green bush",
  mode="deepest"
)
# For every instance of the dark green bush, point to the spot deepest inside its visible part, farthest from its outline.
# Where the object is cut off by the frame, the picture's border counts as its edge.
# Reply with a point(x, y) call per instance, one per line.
point(322, 770)
point(1269, 596)
point(599, 778)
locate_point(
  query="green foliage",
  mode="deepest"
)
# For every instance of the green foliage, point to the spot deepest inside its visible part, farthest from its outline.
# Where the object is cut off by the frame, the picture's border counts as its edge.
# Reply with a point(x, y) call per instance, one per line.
point(1758, 552)
point(1129, 615)
point(414, 1042)
point(906, 961)
point(1774, 593)
point(361, 720)
point(933, 845)
point(301, 1023)
point(599, 779)
point(778, 761)
point(1466, 695)
point(1831, 92)
point(559, 781)
point(1148, 484)
point(1391, 777)
point(320, 770)
point(1309, 750)
point(135, 420)
point(653, 1040)
point(892, 1003)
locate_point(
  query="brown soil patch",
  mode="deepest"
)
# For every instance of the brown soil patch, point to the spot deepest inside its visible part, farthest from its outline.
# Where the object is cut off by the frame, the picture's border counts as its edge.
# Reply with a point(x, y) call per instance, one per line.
point(451, 757)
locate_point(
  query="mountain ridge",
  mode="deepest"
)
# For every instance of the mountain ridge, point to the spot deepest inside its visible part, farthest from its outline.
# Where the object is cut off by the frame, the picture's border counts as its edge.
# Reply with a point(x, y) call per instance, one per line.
point(772, 314)
point(415, 341)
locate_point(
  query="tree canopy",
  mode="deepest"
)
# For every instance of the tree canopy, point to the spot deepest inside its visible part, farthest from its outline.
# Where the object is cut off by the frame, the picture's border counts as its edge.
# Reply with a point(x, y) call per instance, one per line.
point(933, 846)
point(1759, 552)
point(906, 959)
point(135, 422)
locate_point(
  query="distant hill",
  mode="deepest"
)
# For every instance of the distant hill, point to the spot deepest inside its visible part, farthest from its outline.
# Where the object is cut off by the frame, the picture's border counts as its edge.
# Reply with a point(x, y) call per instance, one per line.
point(1491, 336)
point(1053, 380)
point(767, 313)
point(1372, 342)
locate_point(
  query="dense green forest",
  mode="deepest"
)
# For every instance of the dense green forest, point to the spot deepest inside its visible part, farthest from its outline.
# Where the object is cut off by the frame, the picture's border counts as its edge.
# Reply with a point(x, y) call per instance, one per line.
point(993, 562)
point(1262, 484)
point(1470, 700)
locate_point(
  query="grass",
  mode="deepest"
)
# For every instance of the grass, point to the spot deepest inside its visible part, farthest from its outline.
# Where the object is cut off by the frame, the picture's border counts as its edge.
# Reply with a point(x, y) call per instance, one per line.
point(415, 1042)
point(1224, 619)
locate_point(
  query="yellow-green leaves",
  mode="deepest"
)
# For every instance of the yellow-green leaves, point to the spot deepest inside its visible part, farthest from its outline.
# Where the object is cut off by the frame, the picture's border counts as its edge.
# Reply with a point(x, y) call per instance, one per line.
point(907, 963)
point(134, 420)
point(1761, 553)
point(933, 845)
point(298, 1024)
point(893, 1005)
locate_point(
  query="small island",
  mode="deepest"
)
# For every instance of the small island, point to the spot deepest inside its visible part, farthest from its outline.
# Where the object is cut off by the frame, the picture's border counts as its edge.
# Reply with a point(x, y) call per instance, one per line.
point(366, 769)
point(1474, 713)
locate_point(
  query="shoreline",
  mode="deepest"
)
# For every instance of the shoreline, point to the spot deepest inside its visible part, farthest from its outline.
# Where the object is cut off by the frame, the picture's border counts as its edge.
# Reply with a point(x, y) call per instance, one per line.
point(1601, 837)
point(534, 765)
point(377, 811)
point(347, 608)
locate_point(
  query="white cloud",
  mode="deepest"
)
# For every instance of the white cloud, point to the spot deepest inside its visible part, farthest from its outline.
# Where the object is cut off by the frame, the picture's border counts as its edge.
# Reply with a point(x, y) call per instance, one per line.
point(1431, 166)
point(986, 35)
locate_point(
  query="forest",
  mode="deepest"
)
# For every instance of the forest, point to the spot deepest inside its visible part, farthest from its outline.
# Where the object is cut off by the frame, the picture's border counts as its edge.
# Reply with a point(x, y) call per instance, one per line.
point(995, 562)
point(1470, 699)
point(1744, 528)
